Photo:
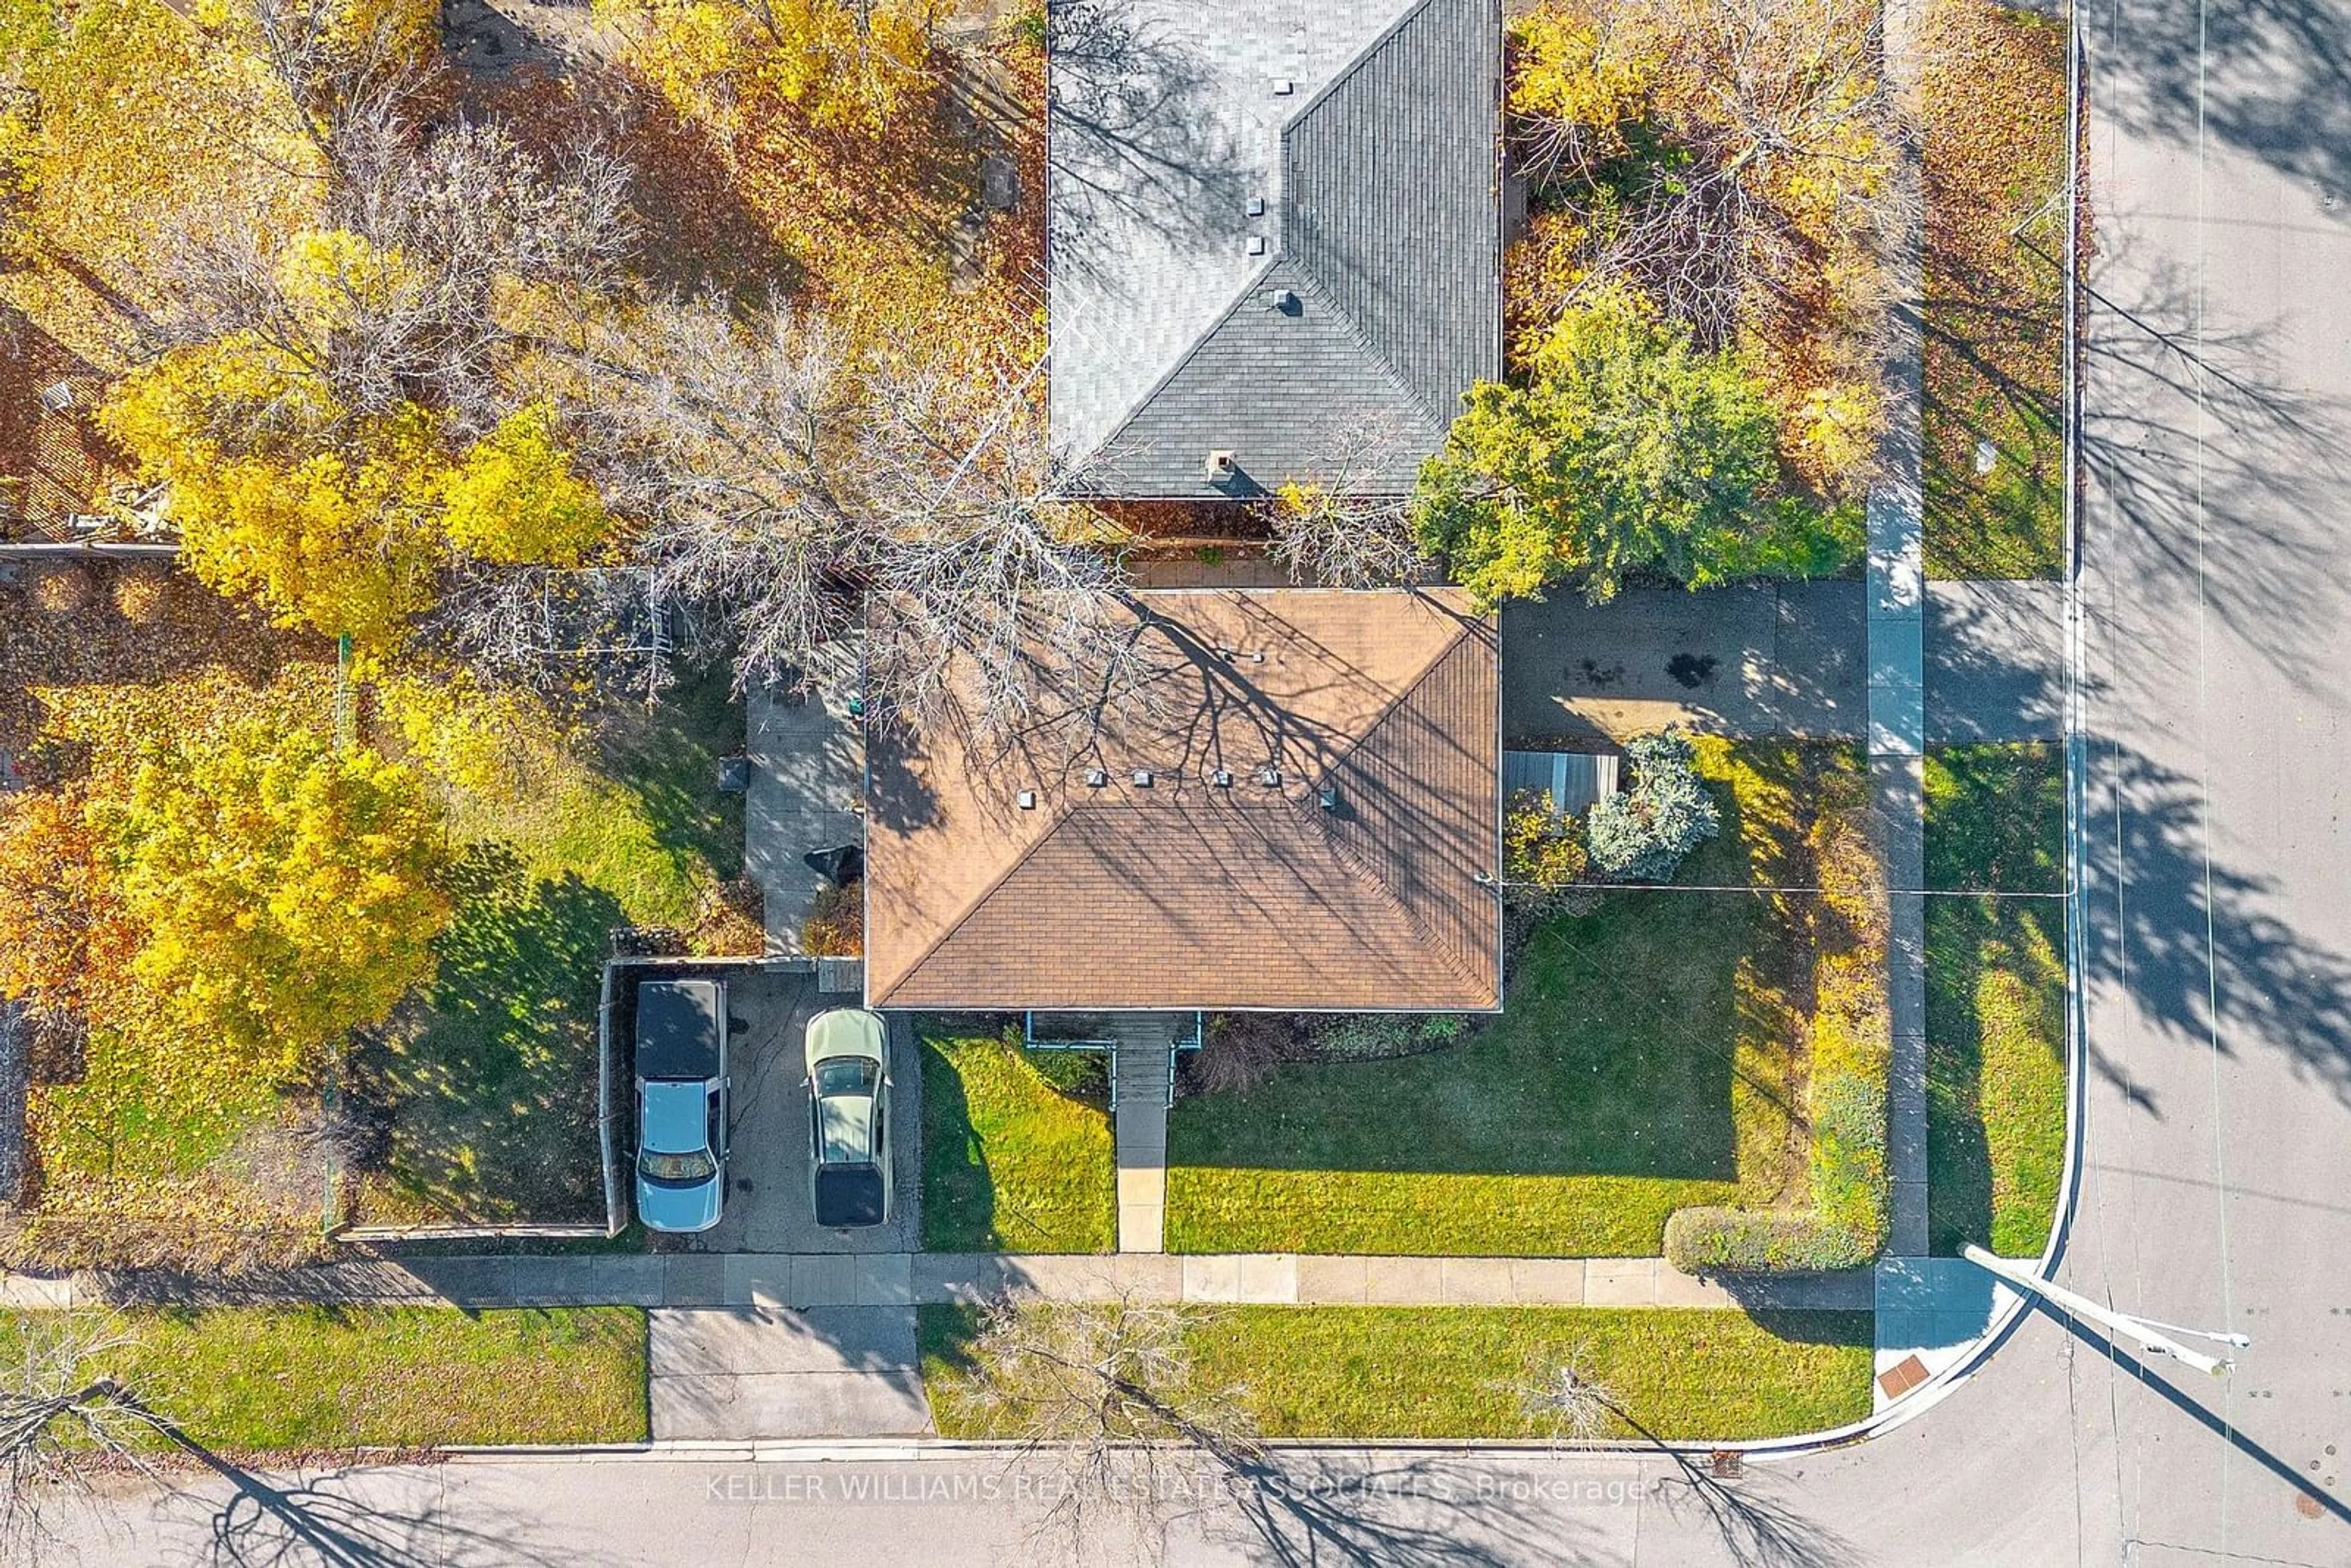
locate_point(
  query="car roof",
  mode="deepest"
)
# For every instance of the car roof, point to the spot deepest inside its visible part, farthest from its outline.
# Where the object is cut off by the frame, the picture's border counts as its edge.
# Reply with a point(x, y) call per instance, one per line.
point(672, 1119)
point(844, 1032)
point(678, 1024)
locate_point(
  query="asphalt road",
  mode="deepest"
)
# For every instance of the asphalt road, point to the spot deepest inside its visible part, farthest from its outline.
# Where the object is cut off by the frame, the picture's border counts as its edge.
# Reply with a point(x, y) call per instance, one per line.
point(2217, 1184)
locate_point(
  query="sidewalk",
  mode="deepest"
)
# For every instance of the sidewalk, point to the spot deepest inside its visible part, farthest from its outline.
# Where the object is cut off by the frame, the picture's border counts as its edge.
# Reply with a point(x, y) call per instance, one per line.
point(798, 1280)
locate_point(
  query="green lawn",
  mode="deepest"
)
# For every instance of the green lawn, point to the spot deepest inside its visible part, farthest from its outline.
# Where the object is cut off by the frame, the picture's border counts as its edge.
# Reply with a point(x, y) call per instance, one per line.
point(1459, 1372)
point(246, 1380)
point(1644, 1063)
point(489, 1081)
point(1010, 1164)
point(1995, 997)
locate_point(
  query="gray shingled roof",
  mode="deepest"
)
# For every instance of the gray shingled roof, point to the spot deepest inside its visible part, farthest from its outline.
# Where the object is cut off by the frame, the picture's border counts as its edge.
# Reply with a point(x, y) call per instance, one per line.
point(1372, 300)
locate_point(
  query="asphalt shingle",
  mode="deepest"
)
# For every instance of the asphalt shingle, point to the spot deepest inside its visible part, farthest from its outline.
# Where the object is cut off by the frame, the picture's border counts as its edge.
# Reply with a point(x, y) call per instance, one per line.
point(1378, 174)
point(1192, 893)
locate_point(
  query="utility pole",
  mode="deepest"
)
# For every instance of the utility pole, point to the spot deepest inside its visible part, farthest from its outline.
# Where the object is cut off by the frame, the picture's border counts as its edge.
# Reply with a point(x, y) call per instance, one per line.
point(2152, 1338)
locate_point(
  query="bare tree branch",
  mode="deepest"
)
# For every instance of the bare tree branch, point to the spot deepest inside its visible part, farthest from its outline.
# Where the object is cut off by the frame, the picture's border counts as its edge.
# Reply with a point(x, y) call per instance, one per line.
point(1337, 527)
point(1106, 1397)
point(62, 1416)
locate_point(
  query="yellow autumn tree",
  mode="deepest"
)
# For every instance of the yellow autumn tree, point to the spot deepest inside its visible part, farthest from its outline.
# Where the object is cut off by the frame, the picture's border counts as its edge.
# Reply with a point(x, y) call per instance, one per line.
point(331, 524)
point(514, 498)
point(839, 63)
point(60, 927)
point(338, 521)
point(478, 740)
point(131, 125)
point(285, 892)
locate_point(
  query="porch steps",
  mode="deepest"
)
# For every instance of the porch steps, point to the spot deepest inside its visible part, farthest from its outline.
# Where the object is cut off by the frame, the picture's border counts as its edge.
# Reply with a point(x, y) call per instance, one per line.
point(1139, 1076)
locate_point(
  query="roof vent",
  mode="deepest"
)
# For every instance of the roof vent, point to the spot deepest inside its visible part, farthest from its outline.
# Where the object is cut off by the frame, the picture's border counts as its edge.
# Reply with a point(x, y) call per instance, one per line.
point(1096, 778)
point(1330, 797)
point(57, 396)
point(1220, 465)
point(1270, 777)
point(1028, 799)
point(1141, 779)
point(1222, 778)
point(1257, 245)
point(1257, 206)
point(1282, 299)
point(1283, 87)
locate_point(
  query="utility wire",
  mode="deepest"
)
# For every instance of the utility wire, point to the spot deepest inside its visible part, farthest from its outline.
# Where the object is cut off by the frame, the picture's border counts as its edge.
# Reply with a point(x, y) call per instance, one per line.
point(1505, 883)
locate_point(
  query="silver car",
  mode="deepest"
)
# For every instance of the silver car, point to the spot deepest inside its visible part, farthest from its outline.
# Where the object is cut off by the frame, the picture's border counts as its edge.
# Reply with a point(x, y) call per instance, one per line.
point(682, 1095)
point(849, 1119)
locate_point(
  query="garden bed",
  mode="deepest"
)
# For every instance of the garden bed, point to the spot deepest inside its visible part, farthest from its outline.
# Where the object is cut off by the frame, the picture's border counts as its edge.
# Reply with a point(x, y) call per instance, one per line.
point(1017, 1151)
point(1464, 1371)
point(1995, 997)
point(1648, 1059)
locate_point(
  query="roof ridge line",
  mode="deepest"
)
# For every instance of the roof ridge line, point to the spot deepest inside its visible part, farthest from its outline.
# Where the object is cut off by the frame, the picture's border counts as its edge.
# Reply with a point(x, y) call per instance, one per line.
point(1377, 885)
point(963, 917)
point(1419, 679)
point(1371, 46)
point(1362, 340)
point(1191, 351)
point(1323, 95)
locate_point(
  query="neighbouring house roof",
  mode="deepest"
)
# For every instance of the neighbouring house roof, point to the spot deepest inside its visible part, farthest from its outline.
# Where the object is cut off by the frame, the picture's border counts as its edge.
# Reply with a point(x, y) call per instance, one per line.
point(1184, 893)
point(1363, 297)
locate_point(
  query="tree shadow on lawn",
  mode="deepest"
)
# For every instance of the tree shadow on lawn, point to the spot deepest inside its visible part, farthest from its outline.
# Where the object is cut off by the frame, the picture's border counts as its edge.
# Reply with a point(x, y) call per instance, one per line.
point(1995, 823)
point(489, 1078)
point(959, 1191)
point(666, 759)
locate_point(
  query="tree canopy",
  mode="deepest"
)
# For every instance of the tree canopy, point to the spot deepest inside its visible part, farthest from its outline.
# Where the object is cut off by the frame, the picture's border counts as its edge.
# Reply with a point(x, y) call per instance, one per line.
point(285, 891)
point(1641, 834)
point(1735, 163)
point(220, 879)
point(1628, 449)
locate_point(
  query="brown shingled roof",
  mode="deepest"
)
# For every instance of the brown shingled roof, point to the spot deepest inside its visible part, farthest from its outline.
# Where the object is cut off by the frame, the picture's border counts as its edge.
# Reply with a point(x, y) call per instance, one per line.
point(1189, 893)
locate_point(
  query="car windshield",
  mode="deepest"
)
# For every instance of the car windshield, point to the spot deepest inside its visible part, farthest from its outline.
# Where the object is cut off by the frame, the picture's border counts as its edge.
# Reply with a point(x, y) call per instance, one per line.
point(696, 1166)
point(845, 1075)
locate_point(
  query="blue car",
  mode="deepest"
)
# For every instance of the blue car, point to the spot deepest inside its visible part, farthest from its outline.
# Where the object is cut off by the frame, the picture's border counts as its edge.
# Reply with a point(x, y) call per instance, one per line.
point(681, 1088)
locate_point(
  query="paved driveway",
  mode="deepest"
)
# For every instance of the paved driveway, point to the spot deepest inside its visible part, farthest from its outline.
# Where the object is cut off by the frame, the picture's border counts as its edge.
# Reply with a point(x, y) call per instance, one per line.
point(765, 1371)
point(1764, 660)
point(767, 1206)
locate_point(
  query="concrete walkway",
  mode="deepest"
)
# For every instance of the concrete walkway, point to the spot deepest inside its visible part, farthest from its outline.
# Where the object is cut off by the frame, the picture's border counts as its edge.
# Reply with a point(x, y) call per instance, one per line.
point(1139, 1066)
point(808, 782)
point(1930, 1313)
point(1898, 743)
point(751, 1373)
point(803, 1280)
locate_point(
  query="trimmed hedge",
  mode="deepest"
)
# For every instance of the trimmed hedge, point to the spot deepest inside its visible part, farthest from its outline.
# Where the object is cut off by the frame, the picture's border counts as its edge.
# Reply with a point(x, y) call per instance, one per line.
point(1716, 1241)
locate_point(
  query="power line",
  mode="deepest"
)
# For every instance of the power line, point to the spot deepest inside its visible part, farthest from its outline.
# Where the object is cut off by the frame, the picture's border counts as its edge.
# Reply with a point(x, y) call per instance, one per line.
point(1505, 884)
